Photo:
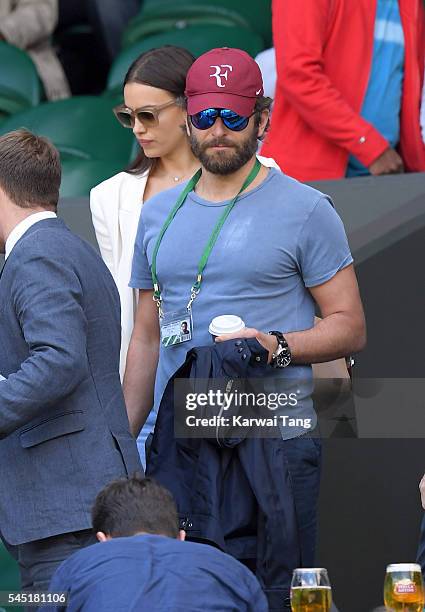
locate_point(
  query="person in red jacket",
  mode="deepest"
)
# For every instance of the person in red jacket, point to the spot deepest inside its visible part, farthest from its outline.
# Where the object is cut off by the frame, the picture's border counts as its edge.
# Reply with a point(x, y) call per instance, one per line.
point(349, 82)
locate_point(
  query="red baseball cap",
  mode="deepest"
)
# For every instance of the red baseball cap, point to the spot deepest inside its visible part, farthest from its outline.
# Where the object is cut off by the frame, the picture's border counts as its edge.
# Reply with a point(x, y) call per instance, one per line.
point(224, 78)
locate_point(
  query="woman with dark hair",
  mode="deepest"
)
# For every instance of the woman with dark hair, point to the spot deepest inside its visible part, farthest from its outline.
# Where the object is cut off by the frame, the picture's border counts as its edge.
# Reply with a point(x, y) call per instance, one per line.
point(154, 107)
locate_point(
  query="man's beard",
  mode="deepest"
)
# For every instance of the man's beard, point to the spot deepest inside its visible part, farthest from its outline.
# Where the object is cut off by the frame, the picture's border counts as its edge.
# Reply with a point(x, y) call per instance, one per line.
point(226, 161)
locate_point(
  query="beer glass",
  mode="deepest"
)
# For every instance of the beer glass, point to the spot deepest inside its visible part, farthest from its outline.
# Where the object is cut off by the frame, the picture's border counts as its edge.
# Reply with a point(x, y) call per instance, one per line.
point(403, 588)
point(310, 590)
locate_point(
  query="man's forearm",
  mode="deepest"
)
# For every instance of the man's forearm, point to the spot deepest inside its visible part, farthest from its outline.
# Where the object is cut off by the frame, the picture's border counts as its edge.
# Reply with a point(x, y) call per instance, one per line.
point(139, 382)
point(337, 335)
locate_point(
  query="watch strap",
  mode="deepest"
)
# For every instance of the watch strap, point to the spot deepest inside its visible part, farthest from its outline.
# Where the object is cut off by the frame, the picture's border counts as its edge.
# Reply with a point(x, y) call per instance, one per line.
point(281, 358)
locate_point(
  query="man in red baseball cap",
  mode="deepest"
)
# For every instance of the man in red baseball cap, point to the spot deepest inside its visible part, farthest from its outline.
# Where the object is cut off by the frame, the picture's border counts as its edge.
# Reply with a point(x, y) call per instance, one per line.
point(242, 238)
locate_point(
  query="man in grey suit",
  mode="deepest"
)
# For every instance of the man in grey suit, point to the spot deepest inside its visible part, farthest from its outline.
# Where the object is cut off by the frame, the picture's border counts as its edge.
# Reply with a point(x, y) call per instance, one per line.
point(63, 424)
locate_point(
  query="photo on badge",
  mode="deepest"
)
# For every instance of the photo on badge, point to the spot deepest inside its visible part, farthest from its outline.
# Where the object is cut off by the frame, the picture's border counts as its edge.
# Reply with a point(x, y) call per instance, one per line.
point(176, 327)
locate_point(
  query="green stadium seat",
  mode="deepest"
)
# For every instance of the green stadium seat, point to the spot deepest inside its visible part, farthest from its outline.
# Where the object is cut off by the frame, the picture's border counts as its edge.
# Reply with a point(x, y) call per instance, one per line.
point(161, 15)
point(9, 573)
point(79, 176)
point(115, 97)
point(197, 40)
point(134, 151)
point(11, 101)
point(81, 128)
point(20, 86)
point(171, 18)
point(152, 3)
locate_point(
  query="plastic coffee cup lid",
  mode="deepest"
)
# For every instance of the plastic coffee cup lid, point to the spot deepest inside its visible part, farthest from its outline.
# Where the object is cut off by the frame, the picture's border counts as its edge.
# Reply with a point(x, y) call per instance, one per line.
point(226, 324)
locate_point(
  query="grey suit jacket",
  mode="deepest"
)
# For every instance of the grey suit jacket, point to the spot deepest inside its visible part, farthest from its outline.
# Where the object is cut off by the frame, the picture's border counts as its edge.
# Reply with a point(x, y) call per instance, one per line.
point(63, 425)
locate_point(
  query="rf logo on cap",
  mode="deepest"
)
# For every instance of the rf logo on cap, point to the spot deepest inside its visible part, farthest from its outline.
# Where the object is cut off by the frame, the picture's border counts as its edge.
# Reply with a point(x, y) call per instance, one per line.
point(218, 75)
point(223, 78)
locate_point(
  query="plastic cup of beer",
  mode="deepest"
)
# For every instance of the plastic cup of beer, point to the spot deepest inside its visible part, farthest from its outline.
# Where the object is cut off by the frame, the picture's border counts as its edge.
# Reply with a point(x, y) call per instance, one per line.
point(403, 588)
point(225, 324)
point(310, 590)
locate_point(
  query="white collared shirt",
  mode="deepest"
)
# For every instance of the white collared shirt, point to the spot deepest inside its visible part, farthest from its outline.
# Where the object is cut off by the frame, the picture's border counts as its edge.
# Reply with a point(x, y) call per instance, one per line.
point(20, 229)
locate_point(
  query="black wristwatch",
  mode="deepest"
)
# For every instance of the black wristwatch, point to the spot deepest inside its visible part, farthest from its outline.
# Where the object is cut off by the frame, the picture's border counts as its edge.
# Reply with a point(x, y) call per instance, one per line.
point(282, 357)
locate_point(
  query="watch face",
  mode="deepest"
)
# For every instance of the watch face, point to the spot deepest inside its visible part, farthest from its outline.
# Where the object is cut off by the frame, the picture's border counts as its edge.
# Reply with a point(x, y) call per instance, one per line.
point(283, 359)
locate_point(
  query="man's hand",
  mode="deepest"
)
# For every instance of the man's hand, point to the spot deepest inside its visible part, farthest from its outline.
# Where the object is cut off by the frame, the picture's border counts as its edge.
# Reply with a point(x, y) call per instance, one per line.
point(389, 162)
point(422, 490)
point(267, 341)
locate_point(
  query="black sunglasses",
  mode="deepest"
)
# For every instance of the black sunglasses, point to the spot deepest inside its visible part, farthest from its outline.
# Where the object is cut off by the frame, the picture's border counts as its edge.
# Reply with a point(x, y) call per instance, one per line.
point(148, 115)
point(206, 119)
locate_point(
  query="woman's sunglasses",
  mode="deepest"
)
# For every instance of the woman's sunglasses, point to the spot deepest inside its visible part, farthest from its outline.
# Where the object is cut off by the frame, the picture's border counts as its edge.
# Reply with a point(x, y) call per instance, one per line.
point(206, 119)
point(148, 115)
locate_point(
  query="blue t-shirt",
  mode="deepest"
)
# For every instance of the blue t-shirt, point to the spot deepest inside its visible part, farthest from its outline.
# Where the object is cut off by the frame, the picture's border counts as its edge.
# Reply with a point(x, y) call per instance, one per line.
point(155, 573)
point(280, 238)
point(381, 106)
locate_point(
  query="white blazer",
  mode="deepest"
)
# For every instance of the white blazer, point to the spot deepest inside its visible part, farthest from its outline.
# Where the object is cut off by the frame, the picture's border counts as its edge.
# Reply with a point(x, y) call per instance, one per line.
point(115, 207)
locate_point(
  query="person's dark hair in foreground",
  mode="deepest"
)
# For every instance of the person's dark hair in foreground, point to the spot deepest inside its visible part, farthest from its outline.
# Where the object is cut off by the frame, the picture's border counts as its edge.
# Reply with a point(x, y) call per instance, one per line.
point(141, 562)
point(136, 505)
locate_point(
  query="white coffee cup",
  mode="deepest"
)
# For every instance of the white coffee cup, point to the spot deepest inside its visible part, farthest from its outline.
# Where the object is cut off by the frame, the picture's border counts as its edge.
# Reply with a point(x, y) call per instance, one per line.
point(225, 324)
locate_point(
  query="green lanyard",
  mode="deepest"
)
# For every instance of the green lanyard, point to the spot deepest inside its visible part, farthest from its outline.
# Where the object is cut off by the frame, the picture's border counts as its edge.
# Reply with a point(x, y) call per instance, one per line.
point(196, 287)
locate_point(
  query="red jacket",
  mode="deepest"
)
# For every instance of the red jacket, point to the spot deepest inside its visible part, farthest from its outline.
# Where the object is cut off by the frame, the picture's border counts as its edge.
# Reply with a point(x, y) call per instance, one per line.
point(324, 55)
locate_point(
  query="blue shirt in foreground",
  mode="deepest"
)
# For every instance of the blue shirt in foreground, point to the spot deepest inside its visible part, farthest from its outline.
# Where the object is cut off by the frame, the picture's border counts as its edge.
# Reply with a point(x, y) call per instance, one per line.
point(281, 238)
point(155, 573)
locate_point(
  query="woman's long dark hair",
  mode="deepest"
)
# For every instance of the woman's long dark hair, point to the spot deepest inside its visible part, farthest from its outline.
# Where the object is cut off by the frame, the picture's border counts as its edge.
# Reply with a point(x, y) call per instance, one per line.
point(165, 68)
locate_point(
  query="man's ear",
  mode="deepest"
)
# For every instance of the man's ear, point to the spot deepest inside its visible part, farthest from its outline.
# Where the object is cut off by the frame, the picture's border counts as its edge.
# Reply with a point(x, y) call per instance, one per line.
point(102, 537)
point(264, 123)
point(3, 195)
point(182, 535)
point(187, 125)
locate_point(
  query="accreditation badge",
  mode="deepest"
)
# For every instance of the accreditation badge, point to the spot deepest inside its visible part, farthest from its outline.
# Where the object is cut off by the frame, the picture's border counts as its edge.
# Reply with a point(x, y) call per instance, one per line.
point(176, 327)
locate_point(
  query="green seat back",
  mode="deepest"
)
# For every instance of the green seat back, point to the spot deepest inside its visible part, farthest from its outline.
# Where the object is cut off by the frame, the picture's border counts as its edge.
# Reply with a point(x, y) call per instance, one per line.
point(253, 14)
point(9, 573)
point(171, 18)
point(197, 40)
point(114, 95)
point(18, 75)
point(134, 151)
point(79, 176)
point(80, 127)
point(11, 102)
